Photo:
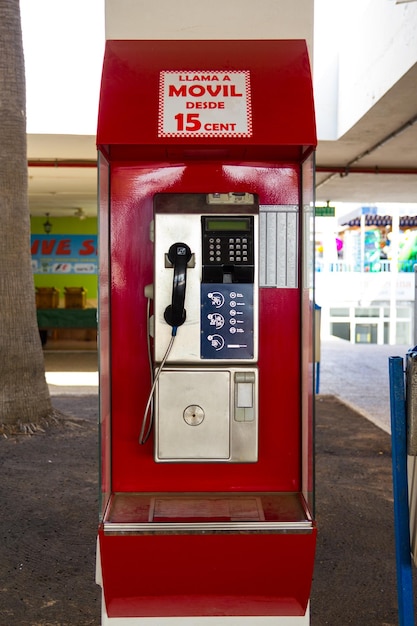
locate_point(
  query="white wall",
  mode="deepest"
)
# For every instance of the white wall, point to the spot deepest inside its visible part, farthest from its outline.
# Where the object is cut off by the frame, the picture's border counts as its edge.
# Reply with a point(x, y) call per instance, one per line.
point(63, 44)
point(210, 19)
point(361, 49)
point(336, 289)
point(327, 32)
point(379, 48)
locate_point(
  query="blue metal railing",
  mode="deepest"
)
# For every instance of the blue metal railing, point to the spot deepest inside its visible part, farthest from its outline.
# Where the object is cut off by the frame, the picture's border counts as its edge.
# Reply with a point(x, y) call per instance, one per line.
point(400, 490)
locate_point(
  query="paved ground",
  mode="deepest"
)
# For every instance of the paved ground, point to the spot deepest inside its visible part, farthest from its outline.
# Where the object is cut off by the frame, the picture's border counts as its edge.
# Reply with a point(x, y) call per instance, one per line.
point(49, 510)
point(358, 375)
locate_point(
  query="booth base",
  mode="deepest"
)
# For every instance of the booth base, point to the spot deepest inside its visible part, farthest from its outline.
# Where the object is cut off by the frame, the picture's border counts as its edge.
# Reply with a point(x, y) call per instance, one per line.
point(205, 556)
point(303, 620)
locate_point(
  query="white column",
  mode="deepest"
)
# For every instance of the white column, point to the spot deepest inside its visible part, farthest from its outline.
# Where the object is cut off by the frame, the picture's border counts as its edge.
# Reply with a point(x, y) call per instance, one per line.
point(395, 232)
point(217, 19)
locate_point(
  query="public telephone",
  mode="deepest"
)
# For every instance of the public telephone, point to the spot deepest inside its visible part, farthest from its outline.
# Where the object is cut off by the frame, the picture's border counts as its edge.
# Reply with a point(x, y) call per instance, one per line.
point(216, 224)
point(206, 327)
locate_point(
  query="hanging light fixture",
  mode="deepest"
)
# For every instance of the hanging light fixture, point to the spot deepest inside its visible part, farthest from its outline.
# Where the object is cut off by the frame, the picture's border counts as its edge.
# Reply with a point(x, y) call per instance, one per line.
point(47, 226)
point(80, 213)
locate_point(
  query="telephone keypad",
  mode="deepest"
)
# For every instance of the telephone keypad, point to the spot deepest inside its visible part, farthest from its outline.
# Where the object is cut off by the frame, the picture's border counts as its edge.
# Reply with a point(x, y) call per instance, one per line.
point(228, 250)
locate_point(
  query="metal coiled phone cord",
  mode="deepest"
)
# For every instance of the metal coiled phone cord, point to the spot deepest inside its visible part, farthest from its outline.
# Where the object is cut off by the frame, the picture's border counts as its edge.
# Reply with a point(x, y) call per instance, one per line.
point(149, 409)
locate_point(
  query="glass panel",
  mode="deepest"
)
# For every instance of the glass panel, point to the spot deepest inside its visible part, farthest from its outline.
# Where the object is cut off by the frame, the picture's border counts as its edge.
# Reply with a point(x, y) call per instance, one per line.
point(104, 335)
point(309, 328)
point(366, 333)
point(339, 312)
point(404, 333)
point(404, 311)
point(340, 329)
point(366, 312)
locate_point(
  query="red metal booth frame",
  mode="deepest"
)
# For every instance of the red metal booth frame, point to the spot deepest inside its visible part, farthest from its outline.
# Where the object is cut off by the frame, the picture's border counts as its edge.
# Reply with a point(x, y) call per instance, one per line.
point(213, 572)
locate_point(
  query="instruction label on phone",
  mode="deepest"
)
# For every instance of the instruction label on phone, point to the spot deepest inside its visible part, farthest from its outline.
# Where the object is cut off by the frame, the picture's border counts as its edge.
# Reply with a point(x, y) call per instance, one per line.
point(226, 321)
point(205, 104)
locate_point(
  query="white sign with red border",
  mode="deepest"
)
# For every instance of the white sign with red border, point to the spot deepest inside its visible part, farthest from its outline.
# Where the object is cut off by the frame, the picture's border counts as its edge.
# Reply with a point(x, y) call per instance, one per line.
point(205, 104)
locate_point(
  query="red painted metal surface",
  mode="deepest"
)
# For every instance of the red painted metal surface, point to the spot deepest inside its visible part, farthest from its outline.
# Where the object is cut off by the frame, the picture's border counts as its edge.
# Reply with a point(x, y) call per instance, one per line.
point(211, 574)
point(282, 101)
point(279, 353)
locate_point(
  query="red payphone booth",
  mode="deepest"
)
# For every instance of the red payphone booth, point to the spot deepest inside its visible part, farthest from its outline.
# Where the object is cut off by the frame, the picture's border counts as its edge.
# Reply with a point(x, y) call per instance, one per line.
point(206, 333)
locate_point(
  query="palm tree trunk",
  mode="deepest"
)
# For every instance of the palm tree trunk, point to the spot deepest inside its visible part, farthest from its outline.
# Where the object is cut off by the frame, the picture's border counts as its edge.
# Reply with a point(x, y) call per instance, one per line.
point(24, 394)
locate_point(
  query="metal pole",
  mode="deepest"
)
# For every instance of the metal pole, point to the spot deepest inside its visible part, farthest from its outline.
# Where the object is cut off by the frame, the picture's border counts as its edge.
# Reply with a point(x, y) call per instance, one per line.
point(394, 247)
point(400, 490)
point(415, 306)
point(363, 226)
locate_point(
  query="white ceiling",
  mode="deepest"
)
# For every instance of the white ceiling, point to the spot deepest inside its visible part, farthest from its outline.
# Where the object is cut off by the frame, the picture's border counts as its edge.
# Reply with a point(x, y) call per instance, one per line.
point(374, 162)
point(60, 190)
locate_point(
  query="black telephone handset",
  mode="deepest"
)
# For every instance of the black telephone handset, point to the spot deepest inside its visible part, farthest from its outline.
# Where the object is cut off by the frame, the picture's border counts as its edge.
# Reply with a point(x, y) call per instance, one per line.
point(179, 255)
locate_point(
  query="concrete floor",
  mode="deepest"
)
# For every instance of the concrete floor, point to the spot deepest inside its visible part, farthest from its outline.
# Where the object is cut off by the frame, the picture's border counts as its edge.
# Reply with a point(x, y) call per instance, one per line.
point(72, 370)
point(358, 375)
point(354, 580)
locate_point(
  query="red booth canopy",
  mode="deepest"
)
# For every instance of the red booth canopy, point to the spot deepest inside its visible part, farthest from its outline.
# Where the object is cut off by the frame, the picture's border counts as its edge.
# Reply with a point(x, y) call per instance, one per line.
point(189, 100)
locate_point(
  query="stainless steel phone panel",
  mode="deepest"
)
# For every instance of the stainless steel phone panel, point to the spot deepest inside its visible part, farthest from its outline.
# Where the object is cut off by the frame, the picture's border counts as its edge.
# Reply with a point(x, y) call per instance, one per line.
point(204, 415)
point(170, 228)
point(186, 228)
